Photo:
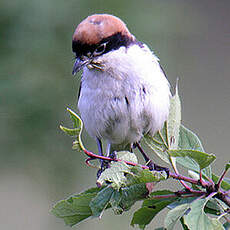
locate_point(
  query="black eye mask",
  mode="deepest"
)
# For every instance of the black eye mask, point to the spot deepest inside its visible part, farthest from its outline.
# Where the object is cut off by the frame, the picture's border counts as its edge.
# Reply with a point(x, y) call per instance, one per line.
point(107, 44)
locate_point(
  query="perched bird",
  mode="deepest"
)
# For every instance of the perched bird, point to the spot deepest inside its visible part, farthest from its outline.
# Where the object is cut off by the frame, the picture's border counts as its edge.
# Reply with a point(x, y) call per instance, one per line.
point(124, 92)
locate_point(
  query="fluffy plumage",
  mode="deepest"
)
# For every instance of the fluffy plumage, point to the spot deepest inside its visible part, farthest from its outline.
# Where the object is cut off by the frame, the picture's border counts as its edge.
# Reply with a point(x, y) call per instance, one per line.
point(124, 92)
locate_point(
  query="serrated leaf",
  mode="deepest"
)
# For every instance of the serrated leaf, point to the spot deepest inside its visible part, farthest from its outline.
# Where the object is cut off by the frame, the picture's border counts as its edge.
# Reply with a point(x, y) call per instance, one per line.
point(174, 120)
point(126, 156)
point(115, 202)
point(76, 131)
point(147, 176)
point(151, 207)
point(131, 194)
point(127, 195)
point(137, 175)
point(101, 201)
point(201, 158)
point(76, 208)
point(197, 219)
point(140, 175)
point(174, 215)
point(115, 174)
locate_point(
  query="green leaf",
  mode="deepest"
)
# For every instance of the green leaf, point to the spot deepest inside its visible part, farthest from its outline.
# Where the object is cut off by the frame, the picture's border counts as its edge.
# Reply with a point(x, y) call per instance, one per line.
point(224, 185)
point(174, 120)
point(144, 216)
point(158, 145)
point(175, 215)
point(119, 199)
point(201, 158)
point(139, 175)
point(126, 156)
point(135, 189)
point(76, 131)
point(213, 207)
point(227, 166)
point(131, 194)
point(151, 207)
point(76, 208)
point(119, 174)
point(115, 202)
point(115, 174)
point(197, 219)
point(189, 140)
point(101, 201)
point(180, 201)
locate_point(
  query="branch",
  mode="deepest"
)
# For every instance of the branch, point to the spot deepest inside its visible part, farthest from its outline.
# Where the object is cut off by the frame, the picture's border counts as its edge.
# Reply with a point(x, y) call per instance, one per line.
point(208, 186)
point(221, 178)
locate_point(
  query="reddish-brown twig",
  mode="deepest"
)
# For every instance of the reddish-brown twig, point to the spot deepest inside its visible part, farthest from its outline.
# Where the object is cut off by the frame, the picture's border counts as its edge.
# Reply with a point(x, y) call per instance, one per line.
point(208, 186)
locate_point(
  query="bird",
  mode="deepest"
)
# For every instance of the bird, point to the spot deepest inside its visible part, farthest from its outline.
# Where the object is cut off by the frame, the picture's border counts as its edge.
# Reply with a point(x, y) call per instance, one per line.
point(124, 92)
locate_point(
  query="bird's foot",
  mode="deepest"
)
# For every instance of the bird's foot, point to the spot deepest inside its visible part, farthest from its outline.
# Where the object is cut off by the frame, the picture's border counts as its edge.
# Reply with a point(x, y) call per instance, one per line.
point(104, 165)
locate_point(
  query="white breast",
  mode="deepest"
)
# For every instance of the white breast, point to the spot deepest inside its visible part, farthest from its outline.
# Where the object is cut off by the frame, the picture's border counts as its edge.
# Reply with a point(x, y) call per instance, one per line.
point(129, 98)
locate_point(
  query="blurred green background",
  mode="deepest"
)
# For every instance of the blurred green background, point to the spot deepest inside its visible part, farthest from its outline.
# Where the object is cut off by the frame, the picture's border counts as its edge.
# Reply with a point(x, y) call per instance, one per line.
point(37, 165)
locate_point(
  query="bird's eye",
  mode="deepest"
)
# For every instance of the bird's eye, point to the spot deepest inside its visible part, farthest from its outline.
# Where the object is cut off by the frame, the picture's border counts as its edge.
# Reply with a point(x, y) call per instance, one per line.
point(100, 49)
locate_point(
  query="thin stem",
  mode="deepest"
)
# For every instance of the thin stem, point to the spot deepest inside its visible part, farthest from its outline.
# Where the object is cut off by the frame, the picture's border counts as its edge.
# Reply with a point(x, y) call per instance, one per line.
point(173, 175)
point(177, 172)
point(201, 179)
point(210, 190)
point(179, 194)
point(90, 165)
point(165, 144)
point(147, 159)
point(184, 178)
point(221, 179)
point(203, 182)
point(95, 156)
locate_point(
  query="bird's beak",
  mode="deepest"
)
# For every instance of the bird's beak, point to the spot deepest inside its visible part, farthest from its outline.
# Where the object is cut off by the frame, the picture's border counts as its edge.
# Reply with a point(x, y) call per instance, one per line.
point(79, 64)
